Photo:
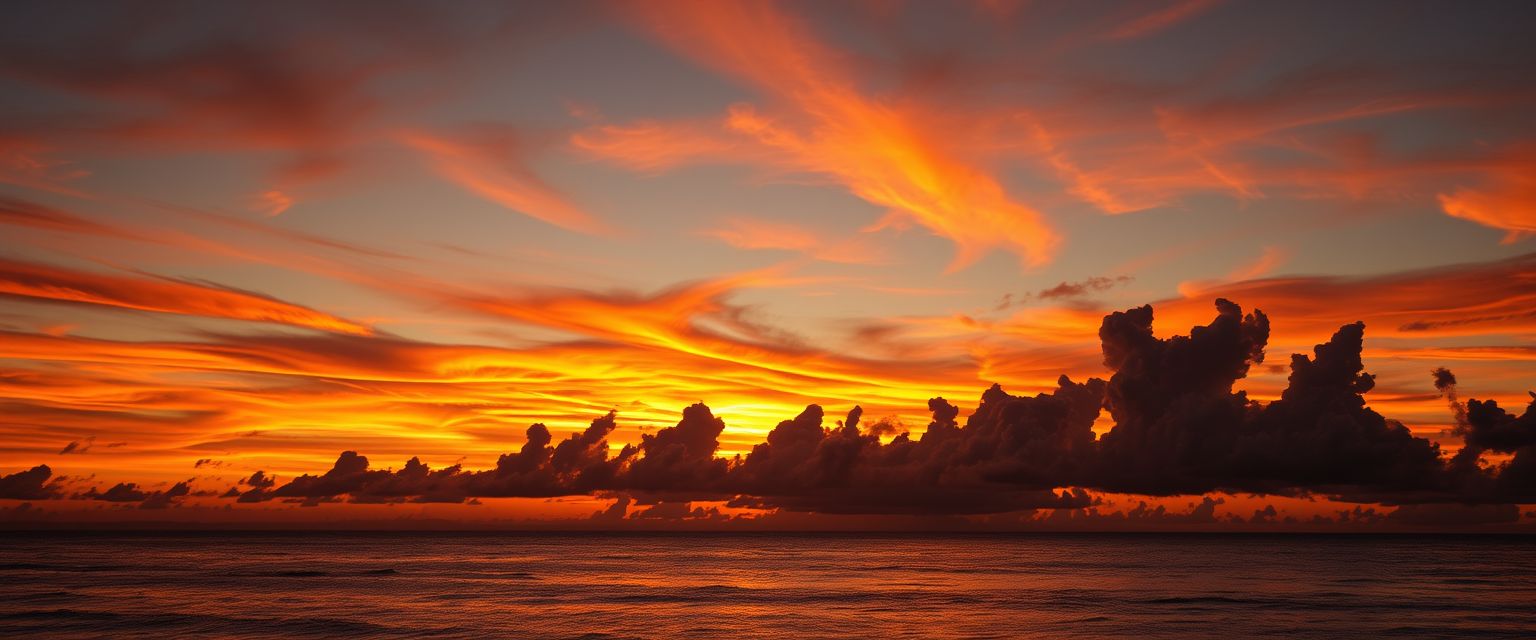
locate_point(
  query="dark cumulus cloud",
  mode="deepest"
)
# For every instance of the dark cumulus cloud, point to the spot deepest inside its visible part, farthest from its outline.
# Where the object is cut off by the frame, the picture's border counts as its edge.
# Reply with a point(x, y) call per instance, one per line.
point(1484, 428)
point(1490, 428)
point(31, 484)
point(1177, 419)
point(1179, 428)
point(129, 492)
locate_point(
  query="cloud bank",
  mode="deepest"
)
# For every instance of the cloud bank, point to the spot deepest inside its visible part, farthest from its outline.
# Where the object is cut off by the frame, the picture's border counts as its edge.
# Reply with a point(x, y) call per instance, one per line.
point(1179, 429)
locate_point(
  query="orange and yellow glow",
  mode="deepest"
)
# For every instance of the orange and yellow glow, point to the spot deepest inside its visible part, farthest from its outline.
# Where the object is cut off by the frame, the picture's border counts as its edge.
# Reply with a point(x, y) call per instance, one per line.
point(224, 259)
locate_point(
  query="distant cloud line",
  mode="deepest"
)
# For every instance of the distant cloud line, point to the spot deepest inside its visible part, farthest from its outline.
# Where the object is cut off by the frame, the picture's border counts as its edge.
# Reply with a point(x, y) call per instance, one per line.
point(1179, 429)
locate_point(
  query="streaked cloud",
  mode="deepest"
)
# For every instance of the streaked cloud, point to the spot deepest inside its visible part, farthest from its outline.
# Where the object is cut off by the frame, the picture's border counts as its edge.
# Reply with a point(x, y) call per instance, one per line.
point(495, 171)
point(45, 282)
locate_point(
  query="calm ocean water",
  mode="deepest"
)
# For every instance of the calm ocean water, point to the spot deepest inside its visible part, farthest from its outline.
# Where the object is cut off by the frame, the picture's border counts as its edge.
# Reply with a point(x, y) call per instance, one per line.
point(765, 586)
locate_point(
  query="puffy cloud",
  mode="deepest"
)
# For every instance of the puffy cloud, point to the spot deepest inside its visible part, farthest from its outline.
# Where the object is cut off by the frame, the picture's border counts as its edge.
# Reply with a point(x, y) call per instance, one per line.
point(1321, 434)
point(1009, 456)
point(680, 458)
point(31, 484)
point(120, 492)
point(1179, 429)
point(1176, 416)
point(125, 492)
point(1489, 428)
point(167, 498)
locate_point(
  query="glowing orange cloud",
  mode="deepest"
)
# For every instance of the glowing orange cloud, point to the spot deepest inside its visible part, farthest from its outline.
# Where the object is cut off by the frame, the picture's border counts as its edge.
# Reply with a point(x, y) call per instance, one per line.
point(1461, 300)
point(1510, 204)
point(747, 233)
point(657, 146)
point(884, 153)
point(496, 175)
point(273, 202)
point(164, 296)
point(1263, 265)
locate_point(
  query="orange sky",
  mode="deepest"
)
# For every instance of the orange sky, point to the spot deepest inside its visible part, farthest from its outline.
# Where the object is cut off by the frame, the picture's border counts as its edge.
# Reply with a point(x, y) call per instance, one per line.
point(253, 238)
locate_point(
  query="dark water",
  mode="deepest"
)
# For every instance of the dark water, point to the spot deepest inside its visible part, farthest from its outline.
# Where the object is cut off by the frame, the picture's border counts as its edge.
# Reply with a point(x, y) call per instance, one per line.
point(765, 586)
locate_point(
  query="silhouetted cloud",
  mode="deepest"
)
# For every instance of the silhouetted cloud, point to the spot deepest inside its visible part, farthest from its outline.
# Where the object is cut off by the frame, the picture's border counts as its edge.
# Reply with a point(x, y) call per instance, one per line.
point(120, 492)
point(1489, 428)
point(1320, 433)
point(167, 498)
point(680, 458)
point(78, 446)
point(31, 484)
point(1081, 288)
point(1176, 417)
point(1179, 429)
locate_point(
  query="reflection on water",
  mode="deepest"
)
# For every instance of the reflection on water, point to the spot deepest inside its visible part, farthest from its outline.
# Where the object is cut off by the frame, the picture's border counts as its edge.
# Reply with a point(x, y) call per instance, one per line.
point(765, 586)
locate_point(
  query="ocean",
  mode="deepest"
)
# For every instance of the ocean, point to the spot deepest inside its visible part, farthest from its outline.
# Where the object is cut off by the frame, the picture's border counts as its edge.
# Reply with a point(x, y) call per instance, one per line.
point(460, 585)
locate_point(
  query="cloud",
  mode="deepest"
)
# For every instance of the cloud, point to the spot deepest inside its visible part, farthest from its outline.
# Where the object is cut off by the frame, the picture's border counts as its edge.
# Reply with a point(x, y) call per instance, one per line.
point(883, 152)
point(163, 295)
point(747, 233)
point(120, 492)
point(24, 213)
point(78, 446)
point(1179, 429)
point(1443, 301)
point(670, 348)
point(1487, 427)
point(650, 146)
point(1010, 456)
point(1081, 288)
point(1271, 258)
point(129, 492)
point(26, 162)
point(493, 168)
point(297, 83)
point(167, 498)
point(1175, 413)
point(1173, 14)
point(1508, 202)
point(31, 484)
point(1320, 433)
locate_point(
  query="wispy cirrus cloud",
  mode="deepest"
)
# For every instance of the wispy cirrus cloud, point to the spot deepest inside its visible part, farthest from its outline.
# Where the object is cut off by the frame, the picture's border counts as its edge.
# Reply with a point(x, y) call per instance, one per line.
point(1505, 199)
point(162, 295)
point(882, 151)
point(496, 171)
point(750, 233)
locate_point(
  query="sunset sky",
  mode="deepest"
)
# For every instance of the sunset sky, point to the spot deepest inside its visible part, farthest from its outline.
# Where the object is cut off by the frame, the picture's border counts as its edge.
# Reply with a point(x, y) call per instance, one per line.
point(241, 238)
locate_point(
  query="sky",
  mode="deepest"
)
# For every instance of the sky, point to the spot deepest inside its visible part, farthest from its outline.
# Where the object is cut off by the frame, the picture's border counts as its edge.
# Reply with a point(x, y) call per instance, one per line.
point(300, 264)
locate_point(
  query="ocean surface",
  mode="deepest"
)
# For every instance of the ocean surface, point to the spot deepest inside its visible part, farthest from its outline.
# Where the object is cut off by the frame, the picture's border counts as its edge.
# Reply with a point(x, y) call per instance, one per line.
point(421, 585)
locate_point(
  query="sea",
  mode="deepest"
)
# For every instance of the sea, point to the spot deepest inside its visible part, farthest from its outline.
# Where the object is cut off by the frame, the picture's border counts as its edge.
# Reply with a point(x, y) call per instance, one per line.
point(587, 585)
